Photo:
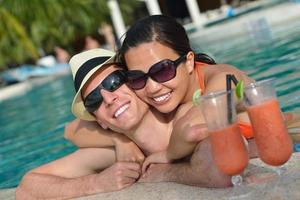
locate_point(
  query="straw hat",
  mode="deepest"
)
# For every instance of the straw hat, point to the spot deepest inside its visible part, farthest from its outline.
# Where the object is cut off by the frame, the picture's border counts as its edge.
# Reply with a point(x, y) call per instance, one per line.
point(83, 66)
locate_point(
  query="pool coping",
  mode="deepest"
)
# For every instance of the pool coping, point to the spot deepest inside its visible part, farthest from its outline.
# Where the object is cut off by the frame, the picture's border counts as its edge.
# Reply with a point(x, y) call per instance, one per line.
point(262, 183)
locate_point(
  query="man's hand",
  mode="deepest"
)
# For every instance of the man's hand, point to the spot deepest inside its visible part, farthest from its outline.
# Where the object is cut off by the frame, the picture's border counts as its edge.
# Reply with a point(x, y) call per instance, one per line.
point(120, 175)
point(128, 151)
point(157, 173)
point(159, 157)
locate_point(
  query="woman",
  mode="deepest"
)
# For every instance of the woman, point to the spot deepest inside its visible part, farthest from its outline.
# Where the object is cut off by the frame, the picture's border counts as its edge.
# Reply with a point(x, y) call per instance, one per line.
point(165, 73)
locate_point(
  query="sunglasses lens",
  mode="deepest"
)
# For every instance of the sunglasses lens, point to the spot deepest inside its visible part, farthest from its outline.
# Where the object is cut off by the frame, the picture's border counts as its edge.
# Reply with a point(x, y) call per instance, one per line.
point(93, 100)
point(136, 79)
point(114, 81)
point(163, 71)
point(111, 83)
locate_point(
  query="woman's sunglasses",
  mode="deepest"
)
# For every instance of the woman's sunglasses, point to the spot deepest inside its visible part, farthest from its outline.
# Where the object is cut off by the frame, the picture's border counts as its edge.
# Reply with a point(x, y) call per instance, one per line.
point(160, 72)
point(111, 83)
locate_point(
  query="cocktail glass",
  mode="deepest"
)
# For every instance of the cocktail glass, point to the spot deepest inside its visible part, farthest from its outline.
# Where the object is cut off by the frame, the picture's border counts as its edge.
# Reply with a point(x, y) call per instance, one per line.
point(273, 142)
point(228, 147)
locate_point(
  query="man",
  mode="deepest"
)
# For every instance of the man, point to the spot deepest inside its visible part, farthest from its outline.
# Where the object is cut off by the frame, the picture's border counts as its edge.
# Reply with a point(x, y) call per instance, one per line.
point(112, 104)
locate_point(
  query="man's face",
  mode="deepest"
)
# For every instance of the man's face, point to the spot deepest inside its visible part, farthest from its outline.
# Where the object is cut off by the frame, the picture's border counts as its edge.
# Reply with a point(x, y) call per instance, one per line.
point(121, 110)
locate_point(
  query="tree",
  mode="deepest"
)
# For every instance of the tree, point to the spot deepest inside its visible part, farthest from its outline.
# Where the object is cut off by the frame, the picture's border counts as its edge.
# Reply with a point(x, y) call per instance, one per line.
point(27, 26)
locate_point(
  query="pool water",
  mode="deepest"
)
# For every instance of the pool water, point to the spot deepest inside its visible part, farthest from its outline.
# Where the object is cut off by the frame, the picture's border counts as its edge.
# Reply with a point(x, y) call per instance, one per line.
point(32, 125)
point(265, 52)
point(32, 129)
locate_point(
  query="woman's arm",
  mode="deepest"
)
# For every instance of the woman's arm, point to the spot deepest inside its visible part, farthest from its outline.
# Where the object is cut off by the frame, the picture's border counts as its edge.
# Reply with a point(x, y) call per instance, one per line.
point(90, 134)
point(189, 125)
point(188, 130)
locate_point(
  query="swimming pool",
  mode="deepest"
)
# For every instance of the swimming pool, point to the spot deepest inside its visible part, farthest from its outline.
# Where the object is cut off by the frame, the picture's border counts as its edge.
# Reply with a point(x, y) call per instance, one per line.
point(32, 129)
point(32, 124)
point(263, 52)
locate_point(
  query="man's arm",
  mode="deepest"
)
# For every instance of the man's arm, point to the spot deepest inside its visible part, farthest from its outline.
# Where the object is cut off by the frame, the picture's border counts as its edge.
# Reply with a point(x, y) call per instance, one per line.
point(76, 175)
point(90, 134)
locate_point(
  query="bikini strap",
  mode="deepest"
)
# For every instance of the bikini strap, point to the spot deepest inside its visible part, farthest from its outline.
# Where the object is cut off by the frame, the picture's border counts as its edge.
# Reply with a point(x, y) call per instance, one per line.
point(200, 74)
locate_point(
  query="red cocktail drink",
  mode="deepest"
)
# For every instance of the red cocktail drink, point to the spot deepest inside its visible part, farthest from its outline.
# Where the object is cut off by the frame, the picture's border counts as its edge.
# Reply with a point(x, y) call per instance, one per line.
point(273, 142)
point(228, 147)
point(230, 153)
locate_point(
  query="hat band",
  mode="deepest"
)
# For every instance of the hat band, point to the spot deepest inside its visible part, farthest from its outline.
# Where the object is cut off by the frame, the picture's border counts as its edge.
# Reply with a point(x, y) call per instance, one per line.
point(86, 68)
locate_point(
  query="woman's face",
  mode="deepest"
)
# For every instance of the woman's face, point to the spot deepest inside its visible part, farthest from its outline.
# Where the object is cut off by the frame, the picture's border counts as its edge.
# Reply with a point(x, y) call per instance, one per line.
point(165, 96)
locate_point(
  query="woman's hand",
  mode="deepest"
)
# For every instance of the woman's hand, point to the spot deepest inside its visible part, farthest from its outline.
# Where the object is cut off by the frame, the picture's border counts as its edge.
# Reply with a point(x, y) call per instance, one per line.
point(127, 150)
point(159, 157)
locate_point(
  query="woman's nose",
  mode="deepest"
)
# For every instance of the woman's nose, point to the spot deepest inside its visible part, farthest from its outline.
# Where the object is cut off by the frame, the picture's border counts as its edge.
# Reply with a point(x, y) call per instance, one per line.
point(108, 97)
point(152, 86)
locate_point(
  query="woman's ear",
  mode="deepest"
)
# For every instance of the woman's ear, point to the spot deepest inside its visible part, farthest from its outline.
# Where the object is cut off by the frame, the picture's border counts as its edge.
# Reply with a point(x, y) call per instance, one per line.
point(190, 61)
point(104, 126)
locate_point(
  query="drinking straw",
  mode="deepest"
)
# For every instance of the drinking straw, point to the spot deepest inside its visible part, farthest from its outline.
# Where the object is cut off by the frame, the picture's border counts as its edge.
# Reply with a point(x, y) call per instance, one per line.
point(228, 95)
point(233, 78)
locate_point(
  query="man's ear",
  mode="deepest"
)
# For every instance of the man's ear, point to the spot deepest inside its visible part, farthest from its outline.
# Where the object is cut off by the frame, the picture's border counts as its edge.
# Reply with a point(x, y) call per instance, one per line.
point(190, 61)
point(104, 126)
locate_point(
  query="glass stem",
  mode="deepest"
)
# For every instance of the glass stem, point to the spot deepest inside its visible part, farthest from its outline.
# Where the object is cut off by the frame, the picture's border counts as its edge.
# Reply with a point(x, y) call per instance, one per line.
point(236, 180)
point(281, 170)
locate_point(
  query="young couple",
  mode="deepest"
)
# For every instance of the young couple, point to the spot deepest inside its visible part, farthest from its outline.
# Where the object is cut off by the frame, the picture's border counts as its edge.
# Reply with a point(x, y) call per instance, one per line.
point(146, 111)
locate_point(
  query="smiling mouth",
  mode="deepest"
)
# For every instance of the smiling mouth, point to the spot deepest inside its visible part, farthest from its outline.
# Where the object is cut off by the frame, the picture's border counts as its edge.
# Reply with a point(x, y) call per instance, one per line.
point(162, 98)
point(121, 110)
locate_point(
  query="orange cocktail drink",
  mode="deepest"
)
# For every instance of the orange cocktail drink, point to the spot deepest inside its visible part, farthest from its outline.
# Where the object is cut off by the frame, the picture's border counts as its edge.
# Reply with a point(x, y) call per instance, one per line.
point(229, 151)
point(228, 147)
point(273, 142)
point(270, 133)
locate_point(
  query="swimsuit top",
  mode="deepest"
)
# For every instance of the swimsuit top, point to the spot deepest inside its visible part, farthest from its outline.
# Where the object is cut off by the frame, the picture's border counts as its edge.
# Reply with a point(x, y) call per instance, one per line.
point(245, 128)
point(200, 74)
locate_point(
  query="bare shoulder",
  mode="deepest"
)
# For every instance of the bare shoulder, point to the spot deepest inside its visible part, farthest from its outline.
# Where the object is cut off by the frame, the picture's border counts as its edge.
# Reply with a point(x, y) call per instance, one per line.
point(214, 70)
point(215, 76)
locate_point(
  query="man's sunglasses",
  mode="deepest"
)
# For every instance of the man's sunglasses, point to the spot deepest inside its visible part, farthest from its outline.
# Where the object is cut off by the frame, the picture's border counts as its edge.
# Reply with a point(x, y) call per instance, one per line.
point(111, 83)
point(160, 72)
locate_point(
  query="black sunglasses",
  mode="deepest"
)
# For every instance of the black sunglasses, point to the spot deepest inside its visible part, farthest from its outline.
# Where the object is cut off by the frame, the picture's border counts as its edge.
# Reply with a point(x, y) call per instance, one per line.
point(111, 83)
point(160, 72)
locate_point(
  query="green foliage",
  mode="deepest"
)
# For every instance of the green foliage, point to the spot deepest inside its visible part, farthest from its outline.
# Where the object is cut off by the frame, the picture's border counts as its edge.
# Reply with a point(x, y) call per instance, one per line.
point(13, 39)
point(26, 26)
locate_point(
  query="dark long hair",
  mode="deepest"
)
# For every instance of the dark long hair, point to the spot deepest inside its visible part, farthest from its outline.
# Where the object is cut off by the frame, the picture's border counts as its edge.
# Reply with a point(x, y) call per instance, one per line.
point(162, 29)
